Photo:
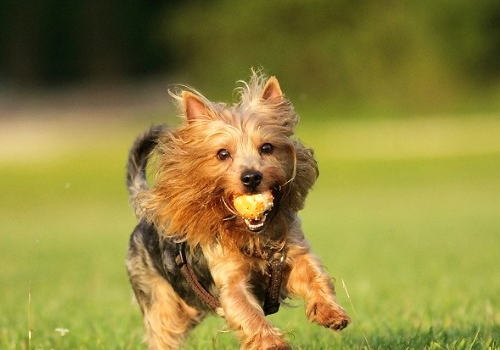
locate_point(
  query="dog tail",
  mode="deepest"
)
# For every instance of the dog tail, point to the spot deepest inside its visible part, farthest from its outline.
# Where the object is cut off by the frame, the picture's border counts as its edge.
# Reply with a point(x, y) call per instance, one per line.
point(138, 159)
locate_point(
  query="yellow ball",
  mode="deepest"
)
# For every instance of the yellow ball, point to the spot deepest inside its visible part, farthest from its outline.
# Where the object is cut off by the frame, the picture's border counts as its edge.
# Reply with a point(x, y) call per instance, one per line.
point(253, 206)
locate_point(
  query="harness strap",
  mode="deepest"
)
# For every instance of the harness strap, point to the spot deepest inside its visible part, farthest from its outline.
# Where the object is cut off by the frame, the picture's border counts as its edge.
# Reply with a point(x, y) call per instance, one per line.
point(272, 299)
point(188, 273)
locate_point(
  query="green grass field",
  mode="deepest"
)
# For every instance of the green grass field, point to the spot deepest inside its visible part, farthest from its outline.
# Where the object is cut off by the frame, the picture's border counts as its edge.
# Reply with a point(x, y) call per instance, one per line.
point(406, 213)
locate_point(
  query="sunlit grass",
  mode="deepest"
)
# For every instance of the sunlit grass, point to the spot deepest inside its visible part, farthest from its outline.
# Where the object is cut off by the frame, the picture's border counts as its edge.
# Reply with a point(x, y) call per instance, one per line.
point(406, 213)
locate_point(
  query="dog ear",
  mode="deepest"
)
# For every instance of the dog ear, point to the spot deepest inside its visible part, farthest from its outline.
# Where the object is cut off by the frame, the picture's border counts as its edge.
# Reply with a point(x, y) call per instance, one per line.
point(193, 107)
point(272, 90)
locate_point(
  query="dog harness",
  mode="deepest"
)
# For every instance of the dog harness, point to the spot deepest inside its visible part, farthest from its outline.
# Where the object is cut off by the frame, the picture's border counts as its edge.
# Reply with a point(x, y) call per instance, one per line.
point(275, 272)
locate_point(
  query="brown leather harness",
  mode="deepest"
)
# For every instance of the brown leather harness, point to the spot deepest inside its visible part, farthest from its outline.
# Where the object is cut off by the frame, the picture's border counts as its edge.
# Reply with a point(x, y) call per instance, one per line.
point(275, 271)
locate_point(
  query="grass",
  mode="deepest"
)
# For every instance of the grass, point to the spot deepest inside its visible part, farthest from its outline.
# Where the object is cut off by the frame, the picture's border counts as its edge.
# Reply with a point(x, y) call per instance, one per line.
point(406, 215)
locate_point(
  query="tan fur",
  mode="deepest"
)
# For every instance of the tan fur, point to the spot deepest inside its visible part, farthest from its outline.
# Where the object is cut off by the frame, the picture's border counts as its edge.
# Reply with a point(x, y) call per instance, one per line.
point(191, 201)
point(183, 204)
point(308, 280)
point(241, 310)
point(167, 318)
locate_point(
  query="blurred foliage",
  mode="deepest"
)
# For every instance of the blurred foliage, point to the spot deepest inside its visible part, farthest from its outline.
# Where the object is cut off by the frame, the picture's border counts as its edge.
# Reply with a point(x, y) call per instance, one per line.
point(396, 52)
point(426, 54)
point(56, 41)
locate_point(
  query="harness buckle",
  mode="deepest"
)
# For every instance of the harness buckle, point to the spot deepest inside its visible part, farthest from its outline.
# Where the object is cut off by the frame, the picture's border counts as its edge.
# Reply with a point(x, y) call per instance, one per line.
point(181, 259)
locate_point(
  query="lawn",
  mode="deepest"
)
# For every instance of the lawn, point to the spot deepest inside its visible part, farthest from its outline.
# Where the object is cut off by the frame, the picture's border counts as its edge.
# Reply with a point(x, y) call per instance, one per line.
point(405, 216)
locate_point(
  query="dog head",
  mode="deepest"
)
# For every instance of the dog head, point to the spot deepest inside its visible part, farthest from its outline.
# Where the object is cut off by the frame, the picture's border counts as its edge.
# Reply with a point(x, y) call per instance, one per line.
point(221, 152)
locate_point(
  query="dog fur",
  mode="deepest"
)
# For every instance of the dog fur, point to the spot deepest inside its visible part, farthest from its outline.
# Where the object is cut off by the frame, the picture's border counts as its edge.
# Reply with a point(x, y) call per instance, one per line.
point(191, 201)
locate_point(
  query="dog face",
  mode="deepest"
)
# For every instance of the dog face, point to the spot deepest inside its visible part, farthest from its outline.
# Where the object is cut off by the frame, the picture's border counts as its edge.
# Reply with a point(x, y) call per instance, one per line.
point(221, 152)
point(246, 148)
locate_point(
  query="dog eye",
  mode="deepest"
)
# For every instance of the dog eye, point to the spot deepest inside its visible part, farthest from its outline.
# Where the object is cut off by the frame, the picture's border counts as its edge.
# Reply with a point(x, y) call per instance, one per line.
point(266, 148)
point(223, 154)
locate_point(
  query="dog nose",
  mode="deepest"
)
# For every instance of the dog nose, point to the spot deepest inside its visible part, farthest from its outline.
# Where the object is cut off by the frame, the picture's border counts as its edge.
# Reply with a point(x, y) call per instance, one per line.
point(251, 178)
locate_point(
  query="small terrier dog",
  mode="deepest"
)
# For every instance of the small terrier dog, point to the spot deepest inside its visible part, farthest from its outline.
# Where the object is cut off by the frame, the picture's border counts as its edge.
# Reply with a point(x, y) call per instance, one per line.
point(192, 253)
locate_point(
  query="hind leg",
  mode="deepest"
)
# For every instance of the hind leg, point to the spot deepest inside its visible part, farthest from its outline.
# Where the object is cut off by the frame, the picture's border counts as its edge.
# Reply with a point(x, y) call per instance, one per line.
point(167, 317)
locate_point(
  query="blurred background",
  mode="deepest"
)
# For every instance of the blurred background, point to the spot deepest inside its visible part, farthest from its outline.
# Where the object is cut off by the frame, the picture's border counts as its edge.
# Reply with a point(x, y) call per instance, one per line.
point(420, 56)
point(400, 100)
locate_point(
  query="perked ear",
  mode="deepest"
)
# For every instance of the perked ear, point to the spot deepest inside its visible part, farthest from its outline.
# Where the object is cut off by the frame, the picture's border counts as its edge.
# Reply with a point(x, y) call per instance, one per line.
point(193, 107)
point(272, 90)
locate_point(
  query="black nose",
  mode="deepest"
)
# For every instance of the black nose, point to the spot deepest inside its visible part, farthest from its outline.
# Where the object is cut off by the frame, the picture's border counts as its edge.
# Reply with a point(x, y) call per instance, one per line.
point(251, 178)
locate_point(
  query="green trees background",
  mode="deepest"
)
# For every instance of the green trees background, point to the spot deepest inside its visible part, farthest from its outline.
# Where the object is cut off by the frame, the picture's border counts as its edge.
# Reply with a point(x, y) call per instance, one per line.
point(416, 55)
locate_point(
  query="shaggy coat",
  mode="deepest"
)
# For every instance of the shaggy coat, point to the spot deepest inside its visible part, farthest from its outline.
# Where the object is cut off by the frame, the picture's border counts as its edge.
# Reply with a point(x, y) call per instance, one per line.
point(191, 202)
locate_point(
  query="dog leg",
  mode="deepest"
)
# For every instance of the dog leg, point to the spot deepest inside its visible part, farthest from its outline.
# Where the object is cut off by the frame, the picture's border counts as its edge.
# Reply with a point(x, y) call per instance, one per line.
point(167, 318)
point(308, 280)
point(241, 309)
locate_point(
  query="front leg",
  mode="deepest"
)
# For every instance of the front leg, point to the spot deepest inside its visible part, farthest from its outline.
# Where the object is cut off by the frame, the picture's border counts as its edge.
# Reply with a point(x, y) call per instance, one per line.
point(308, 280)
point(241, 309)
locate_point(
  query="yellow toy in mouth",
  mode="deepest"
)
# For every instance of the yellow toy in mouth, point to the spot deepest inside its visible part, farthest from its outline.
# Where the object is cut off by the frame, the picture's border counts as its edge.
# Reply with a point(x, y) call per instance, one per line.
point(254, 205)
point(254, 208)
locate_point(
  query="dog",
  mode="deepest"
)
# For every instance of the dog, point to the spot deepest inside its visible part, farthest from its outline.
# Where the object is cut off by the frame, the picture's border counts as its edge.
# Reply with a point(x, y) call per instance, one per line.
point(191, 253)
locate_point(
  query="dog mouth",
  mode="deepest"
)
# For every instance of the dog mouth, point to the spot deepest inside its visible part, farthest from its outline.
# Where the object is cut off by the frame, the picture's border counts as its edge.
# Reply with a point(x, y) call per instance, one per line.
point(255, 210)
point(257, 224)
point(256, 220)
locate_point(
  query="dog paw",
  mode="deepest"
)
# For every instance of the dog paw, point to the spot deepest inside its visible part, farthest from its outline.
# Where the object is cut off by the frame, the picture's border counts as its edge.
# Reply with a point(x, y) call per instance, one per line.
point(273, 342)
point(267, 342)
point(277, 346)
point(328, 315)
